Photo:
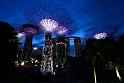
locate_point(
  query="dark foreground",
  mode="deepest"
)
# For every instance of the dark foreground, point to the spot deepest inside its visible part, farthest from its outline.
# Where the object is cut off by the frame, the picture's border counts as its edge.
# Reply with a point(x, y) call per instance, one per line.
point(33, 75)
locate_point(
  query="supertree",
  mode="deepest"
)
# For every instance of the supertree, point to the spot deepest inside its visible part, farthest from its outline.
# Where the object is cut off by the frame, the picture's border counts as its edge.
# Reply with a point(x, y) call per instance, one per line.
point(49, 16)
point(61, 33)
point(48, 25)
point(30, 30)
point(100, 35)
point(103, 31)
point(35, 13)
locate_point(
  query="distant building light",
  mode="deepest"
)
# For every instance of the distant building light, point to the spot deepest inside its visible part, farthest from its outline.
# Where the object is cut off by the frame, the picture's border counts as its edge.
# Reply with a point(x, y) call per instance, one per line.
point(22, 63)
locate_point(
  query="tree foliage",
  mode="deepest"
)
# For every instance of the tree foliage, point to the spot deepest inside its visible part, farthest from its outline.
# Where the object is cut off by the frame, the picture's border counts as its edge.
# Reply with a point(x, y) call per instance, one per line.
point(8, 46)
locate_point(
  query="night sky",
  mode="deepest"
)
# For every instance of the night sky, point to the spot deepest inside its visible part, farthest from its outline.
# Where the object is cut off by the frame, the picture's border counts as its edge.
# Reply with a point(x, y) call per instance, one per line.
point(87, 14)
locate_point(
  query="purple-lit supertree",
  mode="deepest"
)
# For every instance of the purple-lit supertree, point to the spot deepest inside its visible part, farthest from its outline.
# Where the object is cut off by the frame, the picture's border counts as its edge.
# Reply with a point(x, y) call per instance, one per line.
point(35, 13)
point(30, 30)
point(48, 25)
point(61, 46)
point(104, 31)
point(49, 16)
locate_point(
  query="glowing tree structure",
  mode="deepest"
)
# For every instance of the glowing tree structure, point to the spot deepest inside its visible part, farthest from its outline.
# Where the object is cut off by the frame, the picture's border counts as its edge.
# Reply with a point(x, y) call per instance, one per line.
point(35, 13)
point(30, 30)
point(49, 16)
point(48, 25)
point(100, 35)
point(102, 32)
point(61, 46)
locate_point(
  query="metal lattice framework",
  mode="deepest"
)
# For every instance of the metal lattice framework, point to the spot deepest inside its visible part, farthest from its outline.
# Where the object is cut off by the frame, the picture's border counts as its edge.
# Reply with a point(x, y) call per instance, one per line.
point(37, 12)
point(103, 31)
point(29, 29)
point(48, 25)
point(48, 17)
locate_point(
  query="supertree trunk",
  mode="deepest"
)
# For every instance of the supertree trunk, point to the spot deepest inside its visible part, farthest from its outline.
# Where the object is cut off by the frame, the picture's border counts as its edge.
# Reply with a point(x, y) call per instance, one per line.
point(47, 62)
point(27, 51)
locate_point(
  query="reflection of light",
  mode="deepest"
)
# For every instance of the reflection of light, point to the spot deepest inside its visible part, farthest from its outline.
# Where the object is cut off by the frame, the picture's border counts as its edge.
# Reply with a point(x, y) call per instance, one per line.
point(22, 63)
point(100, 36)
point(118, 75)
point(95, 75)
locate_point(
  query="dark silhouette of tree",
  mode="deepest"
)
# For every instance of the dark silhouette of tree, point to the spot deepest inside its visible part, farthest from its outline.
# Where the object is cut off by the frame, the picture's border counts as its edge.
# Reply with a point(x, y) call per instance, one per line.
point(100, 52)
point(8, 47)
point(120, 49)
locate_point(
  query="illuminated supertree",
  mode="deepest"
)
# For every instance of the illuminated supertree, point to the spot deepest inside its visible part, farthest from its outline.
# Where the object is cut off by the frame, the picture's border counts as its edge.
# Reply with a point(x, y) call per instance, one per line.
point(102, 32)
point(49, 16)
point(30, 30)
point(35, 13)
point(61, 46)
point(48, 25)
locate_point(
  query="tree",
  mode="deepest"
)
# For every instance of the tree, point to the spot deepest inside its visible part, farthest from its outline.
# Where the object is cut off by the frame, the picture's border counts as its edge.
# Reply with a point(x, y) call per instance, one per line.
point(8, 47)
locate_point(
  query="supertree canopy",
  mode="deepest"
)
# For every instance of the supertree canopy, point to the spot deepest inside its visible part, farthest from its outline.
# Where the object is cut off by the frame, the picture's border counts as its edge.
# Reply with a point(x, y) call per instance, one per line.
point(37, 12)
point(100, 35)
point(103, 31)
point(48, 25)
point(61, 31)
point(30, 30)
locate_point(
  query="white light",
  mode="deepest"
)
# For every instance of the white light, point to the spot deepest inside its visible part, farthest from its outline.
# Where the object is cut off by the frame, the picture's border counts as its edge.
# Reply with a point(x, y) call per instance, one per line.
point(22, 63)
point(20, 35)
point(34, 48)
point(62, 30)
point(48, 24)
point(117, 73)
point(100, 36)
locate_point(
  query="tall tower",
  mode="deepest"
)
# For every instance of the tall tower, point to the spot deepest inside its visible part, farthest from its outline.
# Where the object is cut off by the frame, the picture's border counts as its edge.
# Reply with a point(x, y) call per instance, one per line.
point(77, 46)
point(48, 25)
point(30, 30)
point(61, 45)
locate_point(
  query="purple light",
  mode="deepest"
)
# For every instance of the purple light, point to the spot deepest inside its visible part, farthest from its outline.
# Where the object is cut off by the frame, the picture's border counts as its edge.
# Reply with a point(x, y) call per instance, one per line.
point(61, 31)
point(37, 12)
point(29, 29)
point(48, 25)
point(100, 35)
